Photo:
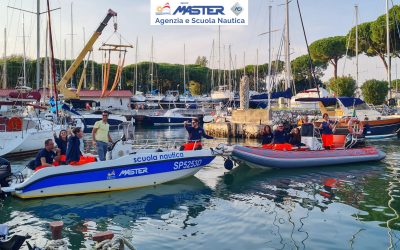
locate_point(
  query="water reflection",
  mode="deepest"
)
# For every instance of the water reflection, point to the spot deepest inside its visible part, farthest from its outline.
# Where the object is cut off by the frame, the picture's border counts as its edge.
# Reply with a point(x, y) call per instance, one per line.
point(289, 196)
point(118, 211)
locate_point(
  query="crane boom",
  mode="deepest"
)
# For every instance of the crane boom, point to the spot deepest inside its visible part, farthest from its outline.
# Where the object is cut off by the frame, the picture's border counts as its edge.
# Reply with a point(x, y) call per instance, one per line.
point(68, 94)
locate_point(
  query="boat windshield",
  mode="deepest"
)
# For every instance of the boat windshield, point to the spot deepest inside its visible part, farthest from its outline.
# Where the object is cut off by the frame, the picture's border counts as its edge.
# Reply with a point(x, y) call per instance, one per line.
point(362, 106)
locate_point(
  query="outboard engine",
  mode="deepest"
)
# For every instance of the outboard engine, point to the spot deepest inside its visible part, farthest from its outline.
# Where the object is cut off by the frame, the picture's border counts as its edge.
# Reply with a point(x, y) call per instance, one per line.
point(5, 172)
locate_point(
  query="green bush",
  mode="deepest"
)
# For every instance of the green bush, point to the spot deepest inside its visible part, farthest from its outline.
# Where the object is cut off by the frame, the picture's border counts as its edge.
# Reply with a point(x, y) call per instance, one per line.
point(343, 86)
point(375, 91)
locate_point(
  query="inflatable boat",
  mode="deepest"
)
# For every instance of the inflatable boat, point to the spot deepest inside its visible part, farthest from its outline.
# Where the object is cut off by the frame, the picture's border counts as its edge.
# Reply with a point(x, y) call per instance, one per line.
point(268, 158)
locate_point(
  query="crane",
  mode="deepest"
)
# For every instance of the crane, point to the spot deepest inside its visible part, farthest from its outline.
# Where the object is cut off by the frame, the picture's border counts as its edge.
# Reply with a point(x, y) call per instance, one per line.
point(68, 94)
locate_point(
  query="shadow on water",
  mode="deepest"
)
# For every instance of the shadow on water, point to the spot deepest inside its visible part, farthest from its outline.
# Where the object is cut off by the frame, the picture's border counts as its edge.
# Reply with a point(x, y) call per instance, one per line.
point(84, 214)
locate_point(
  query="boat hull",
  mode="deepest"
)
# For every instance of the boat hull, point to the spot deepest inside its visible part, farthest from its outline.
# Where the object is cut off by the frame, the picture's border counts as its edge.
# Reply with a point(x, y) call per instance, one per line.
point(162, 120)
point(26, 142)
point(378, 129)
point(131, 171)
point(264, 158)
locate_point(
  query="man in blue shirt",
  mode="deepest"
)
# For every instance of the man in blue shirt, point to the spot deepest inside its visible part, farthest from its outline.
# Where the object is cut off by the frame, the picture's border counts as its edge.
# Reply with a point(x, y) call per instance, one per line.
point(47, 156)
point(280, 136)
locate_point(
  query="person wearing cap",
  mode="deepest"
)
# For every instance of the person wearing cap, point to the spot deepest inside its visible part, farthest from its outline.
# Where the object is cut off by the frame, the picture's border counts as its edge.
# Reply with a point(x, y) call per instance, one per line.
point(101, 136)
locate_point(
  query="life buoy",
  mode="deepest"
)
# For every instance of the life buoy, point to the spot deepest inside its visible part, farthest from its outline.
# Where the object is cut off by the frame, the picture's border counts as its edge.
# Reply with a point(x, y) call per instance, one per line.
point(14, 124)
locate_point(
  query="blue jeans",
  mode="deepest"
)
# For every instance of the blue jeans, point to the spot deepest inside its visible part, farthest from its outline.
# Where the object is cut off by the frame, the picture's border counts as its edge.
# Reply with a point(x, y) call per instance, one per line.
point(101, 150)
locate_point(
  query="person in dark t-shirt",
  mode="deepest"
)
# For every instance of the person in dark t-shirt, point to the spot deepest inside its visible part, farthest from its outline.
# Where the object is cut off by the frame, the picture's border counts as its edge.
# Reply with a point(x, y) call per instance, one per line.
point(47, 156)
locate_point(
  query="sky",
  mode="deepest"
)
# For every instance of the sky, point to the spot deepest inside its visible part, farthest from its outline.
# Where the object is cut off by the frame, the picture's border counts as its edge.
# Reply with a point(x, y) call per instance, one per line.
point(322, 18)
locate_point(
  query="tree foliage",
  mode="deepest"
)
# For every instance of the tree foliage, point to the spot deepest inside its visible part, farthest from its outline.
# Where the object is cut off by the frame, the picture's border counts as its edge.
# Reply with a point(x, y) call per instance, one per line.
point(343, 86)
point(330, 50)
point(202, 61)
point(302, 75)
point(194, 88)
point(375, 91)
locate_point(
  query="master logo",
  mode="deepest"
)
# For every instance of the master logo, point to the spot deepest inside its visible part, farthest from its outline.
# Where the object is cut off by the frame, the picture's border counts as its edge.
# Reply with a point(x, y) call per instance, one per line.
point(111, 175)
point(163, 10)
point(237, 9)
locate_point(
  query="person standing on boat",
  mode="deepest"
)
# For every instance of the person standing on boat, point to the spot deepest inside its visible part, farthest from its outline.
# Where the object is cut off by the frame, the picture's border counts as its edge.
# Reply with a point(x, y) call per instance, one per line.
point(46, 156)
point(195, 134)
point(326, 128)
point(101, 136)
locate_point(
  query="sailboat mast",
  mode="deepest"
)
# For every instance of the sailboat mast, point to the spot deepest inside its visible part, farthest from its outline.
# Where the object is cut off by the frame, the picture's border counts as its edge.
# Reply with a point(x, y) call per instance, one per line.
point(38, 45)
point(389, 65)
point(230, 70)
point(151, 69)
point(23, 42)
point(46, 62)
point(184, 68)
point(5, 60)
point(219, 55)
point(65, 55)
point(257, 72)
point(136, 66)
point(268, 84)
point(287, 47)
point(72, 41)
point(356, 9)
point(212, 66)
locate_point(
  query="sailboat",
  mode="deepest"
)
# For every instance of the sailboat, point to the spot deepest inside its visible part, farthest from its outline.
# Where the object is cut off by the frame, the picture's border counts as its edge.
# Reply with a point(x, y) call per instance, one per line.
point(137, 95)
point(154, 95)
point(221, 93)
point(186, 96)
point(20, 135)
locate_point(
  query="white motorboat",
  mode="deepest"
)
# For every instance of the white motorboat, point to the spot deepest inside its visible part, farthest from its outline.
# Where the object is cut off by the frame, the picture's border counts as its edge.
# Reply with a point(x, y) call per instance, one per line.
point(171, 96)
point(202, 98)
point(309, 93)
point(222, 94)
point(171, 117)
point(127, 167)
point(154, 97)
point(186, 97)
point(138, 97)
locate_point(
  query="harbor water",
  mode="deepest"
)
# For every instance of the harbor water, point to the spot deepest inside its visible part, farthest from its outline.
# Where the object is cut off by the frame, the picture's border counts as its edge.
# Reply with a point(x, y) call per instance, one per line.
point(347, 207)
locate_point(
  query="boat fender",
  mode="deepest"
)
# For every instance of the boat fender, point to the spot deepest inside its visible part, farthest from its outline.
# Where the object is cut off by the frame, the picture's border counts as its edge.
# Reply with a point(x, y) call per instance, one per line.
point(228, 164)
point(14, 124)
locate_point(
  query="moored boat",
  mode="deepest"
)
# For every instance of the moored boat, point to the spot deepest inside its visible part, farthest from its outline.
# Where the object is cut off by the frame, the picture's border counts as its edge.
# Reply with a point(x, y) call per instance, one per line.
point(22, 136)
point(343, 108)
point(128, 168)
point(267, 158)
point(171, 117)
